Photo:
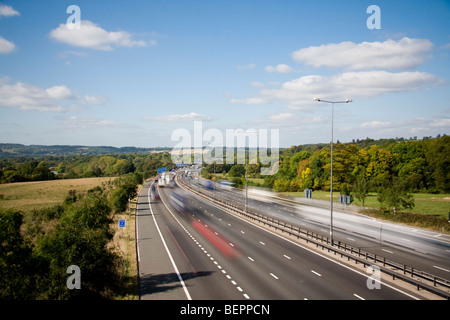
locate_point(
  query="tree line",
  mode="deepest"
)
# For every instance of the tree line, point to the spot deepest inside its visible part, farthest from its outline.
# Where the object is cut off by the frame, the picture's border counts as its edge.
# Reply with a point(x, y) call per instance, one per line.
point(420, 165)
point(390, 167)
point(22, 169)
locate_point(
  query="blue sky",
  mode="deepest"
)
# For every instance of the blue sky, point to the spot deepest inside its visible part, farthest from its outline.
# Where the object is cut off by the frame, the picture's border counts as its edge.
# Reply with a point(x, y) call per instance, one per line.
point(138, 70)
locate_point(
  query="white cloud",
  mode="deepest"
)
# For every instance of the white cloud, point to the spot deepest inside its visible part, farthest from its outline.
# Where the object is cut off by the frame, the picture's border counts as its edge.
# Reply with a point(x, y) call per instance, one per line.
point(404, 127)
point(282, 116)
point(7, 11)
point(376, 124)
point(246, 67)
point(95, 99)
point(403, 54)
point(6, 46)
point(28, 97)
point(441, 123)
point(59, 92)
point(179, 117)
point(90, 35)
point(75, 122)
point(254, 100)
point(291, 121)
point(256, 84)
point(68, 53)
point(280, 68)
point(299, 93)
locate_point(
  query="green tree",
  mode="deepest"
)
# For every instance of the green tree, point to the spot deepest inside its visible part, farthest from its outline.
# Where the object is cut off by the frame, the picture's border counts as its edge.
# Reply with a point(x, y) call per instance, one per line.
point(395, 196)
point(80, 238)
point(438, 168)
point(42, 172)
point(281, 185)
point(380, 166)
point(129, 183)
point(119, 199)
point(238, 170)
point(361, 188)
point(316, 164)
point(16, 272)
point(123, 166)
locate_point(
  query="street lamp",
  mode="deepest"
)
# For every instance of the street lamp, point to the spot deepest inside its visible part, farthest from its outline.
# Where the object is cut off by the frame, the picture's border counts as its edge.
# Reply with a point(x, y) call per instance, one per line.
point(246, 134)
point(331, 178)
point(214, 189)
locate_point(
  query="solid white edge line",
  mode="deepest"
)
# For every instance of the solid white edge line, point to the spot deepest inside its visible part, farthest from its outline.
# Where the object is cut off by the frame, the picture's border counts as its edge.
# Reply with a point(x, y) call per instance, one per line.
point(167, 249)
point(359, 297)
point(137, 234)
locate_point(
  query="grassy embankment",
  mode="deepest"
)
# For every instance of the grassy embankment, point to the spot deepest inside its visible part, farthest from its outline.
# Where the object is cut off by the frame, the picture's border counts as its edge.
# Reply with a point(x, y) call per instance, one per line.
point(26, 196)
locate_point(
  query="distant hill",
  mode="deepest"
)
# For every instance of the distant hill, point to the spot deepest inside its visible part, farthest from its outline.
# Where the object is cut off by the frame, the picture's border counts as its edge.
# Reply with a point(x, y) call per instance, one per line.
point(13, 150)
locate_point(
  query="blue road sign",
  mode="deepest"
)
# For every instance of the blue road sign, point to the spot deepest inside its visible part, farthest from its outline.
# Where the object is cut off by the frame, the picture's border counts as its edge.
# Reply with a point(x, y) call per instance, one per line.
point(159, 170)
point(121, 223)
point(164, 169)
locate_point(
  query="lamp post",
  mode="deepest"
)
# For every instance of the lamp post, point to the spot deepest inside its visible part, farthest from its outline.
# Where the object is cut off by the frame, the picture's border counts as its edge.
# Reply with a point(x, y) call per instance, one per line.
point(246, 133)
point(214, 186)
point(331, 170)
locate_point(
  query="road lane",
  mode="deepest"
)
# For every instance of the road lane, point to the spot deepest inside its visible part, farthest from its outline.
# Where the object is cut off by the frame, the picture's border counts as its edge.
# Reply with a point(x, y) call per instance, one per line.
point(157, 278)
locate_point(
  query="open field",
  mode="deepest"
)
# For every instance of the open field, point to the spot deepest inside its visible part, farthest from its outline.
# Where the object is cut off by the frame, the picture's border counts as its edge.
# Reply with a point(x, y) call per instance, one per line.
point(221, 176)
point(26, 196)
point(425, 203)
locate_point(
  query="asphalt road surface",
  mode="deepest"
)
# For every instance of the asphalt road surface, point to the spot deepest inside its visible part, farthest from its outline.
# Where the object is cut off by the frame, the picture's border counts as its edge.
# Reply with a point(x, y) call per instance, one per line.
point(190, 249)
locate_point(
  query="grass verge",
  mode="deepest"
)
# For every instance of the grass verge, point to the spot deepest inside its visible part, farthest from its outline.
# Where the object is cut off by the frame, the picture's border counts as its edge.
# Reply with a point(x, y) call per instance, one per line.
point(430, 210)
point(125, 242)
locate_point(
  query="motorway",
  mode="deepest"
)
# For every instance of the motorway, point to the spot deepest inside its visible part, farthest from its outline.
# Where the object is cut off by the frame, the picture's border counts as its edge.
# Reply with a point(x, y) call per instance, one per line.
point(190, 249)
point(425, 250)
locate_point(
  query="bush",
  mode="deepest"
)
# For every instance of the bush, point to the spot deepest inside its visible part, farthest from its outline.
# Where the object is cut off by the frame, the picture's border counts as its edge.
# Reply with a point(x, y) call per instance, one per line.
point(237, 170)
point(395, 197)
point(16, 272)
point(119, 199)
point(80, 238)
